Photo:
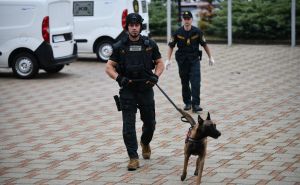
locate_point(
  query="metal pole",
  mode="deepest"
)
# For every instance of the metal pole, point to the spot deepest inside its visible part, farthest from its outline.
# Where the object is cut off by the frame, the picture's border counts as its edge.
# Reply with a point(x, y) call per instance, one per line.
point(293, 23)
point(179, 12)
point(229, 23)
point(168, 20)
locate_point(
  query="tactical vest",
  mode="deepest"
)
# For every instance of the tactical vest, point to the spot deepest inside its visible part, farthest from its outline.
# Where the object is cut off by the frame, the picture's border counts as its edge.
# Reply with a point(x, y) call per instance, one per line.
point(135, 59)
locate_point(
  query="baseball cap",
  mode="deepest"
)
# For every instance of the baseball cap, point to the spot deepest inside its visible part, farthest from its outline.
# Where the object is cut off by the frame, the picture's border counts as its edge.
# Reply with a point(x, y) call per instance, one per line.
point(187, 14)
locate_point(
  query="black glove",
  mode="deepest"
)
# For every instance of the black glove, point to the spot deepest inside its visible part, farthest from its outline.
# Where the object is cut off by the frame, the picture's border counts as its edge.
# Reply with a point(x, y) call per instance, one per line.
point(153, 79)
point(122, 81)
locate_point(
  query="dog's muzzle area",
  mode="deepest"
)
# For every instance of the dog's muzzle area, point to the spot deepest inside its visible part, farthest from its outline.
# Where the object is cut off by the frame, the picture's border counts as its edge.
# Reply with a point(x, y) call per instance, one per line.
point(216, 134)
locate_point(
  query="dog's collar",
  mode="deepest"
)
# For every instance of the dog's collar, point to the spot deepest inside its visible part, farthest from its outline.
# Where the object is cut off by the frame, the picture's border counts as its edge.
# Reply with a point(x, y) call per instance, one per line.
point(196, 140)
point(193, 140)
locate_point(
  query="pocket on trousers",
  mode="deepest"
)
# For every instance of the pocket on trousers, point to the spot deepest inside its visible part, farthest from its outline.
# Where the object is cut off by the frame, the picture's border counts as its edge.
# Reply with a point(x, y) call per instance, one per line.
point(127, 105)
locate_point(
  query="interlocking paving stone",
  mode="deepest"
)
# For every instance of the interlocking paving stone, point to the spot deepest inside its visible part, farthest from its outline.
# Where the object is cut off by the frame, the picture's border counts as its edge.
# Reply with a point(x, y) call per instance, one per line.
point(65, 129)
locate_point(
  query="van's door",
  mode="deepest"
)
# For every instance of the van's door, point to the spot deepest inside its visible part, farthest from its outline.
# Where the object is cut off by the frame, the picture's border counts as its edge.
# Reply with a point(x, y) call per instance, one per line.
point(61, 27)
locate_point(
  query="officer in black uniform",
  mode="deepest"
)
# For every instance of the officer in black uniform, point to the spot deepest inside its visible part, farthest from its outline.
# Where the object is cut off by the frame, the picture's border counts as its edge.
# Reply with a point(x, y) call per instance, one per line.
point(188, 58)
point(131, 64)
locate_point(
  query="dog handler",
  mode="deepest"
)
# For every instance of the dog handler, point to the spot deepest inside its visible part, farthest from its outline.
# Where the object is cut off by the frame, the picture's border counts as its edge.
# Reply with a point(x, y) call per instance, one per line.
point(188, 58)
point(131, 65)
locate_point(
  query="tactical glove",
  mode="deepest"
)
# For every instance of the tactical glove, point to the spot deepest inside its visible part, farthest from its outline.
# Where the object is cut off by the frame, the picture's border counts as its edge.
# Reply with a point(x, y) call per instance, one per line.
point(211, 61)
point(122, 81)
point(153, 79)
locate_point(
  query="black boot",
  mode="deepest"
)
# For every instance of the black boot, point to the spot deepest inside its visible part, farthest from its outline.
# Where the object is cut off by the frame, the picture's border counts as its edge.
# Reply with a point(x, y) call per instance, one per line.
point(197, 108)
point(187, 107)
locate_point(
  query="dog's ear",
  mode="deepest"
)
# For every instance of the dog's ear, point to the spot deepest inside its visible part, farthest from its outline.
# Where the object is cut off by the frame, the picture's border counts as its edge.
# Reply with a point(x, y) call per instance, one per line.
point(200, 120)
point(208, 116)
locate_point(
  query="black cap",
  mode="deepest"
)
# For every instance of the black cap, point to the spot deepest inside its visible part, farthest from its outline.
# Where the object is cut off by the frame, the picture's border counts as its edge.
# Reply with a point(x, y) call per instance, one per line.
point(187, 14)
point(134, 18)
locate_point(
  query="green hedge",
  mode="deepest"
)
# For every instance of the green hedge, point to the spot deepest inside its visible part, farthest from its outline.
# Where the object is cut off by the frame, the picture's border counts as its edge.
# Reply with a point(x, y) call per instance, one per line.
point(256, 19)
point(251, 19)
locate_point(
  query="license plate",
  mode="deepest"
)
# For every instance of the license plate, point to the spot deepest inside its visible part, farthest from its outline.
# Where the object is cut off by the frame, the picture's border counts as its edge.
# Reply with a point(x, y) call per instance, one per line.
point(58, 38)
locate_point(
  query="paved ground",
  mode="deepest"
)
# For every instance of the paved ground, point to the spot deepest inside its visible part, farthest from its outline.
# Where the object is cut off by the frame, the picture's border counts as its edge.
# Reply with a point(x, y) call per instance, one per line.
point(64, 128)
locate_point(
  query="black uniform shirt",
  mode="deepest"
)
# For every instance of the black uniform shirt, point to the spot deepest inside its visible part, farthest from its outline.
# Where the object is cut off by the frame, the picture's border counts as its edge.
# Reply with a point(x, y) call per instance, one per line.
point(187, 41)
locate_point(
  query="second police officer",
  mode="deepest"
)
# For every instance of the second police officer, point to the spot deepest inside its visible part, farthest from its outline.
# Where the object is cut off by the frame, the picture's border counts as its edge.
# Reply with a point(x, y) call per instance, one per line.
point(131, 64)
point(188, 56)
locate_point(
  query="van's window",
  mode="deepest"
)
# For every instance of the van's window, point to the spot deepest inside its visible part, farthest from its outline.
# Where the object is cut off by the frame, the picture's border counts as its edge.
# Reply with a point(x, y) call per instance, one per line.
point(144, 6)
point(83, 8)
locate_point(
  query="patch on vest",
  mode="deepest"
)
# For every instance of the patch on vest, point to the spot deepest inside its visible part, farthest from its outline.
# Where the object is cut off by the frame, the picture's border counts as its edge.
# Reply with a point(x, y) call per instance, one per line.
point(135, 48)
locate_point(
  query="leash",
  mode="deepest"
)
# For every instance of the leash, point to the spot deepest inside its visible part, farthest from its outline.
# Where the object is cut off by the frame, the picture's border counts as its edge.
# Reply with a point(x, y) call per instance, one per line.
point(185, 116)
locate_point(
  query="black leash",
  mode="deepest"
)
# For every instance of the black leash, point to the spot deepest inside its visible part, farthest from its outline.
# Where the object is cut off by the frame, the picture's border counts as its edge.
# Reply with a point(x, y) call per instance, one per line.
point(167, 97)
point(185, 116)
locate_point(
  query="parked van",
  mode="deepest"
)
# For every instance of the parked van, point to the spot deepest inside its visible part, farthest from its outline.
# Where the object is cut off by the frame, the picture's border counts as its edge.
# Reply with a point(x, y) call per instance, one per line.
point(100, 23)
point(36, 34)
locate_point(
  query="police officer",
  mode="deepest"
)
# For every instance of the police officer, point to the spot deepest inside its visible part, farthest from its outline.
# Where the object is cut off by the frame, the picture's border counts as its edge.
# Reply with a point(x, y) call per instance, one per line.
point(131, 64)
point(188, 58)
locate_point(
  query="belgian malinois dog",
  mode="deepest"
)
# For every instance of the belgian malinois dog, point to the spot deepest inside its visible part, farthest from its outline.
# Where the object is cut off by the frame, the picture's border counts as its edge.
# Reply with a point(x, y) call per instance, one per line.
point(196, 143)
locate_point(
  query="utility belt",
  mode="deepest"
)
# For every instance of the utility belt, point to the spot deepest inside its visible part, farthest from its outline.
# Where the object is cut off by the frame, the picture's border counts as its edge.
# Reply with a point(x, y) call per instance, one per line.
point(136, 84)
point(181, 55)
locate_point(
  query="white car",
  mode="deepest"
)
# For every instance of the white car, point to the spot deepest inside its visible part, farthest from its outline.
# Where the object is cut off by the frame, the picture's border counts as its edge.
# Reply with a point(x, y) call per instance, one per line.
point(100, 23)
point(36, 34)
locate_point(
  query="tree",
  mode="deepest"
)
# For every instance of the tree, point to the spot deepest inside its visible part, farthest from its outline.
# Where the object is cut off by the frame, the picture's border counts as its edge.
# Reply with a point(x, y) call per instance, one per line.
point(158, 17)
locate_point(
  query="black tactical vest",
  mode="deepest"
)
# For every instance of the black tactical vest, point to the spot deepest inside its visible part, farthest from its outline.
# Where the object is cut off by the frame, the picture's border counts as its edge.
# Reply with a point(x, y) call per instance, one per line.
point(135, 58)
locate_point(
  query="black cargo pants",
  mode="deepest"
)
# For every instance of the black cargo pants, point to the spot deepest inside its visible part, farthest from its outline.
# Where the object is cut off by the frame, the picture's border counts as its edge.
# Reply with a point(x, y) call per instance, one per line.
point(132, 99)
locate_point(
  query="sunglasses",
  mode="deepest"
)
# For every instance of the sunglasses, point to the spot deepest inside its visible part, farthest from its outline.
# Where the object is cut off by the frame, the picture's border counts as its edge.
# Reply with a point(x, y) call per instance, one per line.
point(187, 18)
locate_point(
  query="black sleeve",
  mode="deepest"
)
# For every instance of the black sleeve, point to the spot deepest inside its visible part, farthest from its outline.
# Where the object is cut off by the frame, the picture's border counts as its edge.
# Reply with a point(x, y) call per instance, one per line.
point(202, 40)
point(173, 41)
point(155, 52)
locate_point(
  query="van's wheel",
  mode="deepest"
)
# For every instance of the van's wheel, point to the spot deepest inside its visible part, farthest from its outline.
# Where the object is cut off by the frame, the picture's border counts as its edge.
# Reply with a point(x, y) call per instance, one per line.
point(25, 65)
point(104, 50)
point(54, 69)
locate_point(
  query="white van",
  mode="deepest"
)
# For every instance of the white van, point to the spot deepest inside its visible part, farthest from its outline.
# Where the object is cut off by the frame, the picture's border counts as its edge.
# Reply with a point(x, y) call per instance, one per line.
point(36, 34)
point(100, 23)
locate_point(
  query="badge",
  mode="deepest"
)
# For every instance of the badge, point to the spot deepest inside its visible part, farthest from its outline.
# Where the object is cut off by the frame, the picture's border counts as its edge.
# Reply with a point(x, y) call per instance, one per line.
point(188, 42)
point(135, 48)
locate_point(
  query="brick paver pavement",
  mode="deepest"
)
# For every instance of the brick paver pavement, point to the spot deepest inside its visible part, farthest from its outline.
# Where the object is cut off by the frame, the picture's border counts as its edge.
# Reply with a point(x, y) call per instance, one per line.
point(64, 128)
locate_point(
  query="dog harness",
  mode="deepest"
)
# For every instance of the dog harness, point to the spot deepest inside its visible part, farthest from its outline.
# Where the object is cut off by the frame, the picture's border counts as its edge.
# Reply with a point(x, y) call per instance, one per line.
point(192, 140)
point(195, 145)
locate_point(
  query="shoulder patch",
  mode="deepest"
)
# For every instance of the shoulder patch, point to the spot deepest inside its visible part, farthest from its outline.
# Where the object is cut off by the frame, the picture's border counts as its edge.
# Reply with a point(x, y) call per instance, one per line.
point(194, 37)
point(180, 37)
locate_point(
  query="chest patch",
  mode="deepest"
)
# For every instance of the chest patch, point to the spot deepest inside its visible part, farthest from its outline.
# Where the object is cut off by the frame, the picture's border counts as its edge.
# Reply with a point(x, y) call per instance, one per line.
point(135, 48)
